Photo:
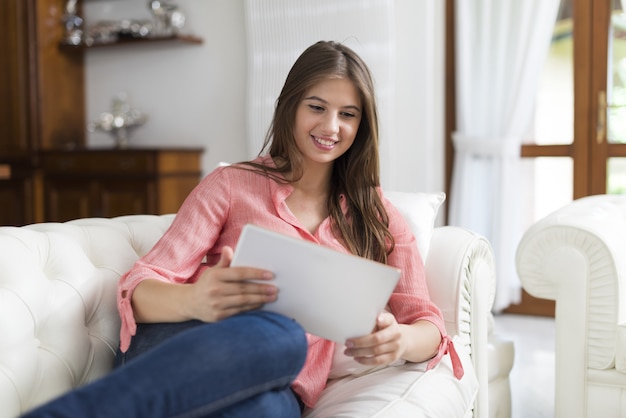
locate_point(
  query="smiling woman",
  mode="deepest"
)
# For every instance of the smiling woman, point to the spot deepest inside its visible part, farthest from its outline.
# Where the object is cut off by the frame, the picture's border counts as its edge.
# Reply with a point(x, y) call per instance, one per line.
point(184, 307)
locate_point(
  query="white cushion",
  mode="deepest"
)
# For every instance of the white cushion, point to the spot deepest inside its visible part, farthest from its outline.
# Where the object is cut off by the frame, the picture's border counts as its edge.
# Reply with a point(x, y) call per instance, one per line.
point(420, 211)
point(401, 391)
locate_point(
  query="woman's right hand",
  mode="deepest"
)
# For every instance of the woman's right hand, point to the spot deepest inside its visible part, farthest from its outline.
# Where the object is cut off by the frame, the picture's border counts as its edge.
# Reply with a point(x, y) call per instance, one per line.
point(223, 291)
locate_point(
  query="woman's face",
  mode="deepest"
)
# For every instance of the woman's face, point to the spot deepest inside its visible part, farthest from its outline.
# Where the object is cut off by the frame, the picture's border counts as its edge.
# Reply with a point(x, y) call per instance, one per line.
point(327, 120)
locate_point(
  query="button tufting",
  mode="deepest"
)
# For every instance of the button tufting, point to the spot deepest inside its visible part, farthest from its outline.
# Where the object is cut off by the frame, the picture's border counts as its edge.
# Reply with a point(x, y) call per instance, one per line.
point(58, 313)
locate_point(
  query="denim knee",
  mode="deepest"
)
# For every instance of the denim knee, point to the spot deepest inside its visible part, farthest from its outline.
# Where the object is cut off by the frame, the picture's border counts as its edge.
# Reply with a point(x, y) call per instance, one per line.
point(287, 337)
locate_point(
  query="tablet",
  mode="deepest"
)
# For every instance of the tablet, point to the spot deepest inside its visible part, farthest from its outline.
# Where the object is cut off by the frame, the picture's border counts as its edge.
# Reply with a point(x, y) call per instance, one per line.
point(332, 295)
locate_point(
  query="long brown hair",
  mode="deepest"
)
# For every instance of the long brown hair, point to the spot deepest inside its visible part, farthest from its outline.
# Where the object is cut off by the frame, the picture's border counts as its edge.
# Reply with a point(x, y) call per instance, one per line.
point(365, 227)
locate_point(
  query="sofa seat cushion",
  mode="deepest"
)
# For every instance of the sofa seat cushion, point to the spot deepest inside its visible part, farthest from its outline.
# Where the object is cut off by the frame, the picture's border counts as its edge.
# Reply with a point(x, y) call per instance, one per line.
point(606, 393)
point(401, 391)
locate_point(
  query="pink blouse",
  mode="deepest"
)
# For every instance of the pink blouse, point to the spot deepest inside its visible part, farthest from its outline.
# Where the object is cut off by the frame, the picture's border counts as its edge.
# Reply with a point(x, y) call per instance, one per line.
point(214, 214)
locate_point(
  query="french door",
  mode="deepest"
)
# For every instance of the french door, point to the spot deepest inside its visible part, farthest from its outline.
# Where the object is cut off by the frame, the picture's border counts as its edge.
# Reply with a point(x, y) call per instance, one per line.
point(577, 144)
point(608, 86)
point(582, 100)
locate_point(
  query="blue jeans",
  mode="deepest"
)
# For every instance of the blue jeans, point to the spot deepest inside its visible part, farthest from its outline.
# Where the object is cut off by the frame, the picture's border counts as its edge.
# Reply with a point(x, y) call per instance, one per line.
point(239, 367)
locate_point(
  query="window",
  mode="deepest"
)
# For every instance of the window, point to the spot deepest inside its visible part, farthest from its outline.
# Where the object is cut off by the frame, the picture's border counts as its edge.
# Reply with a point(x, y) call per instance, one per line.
point(577, 145)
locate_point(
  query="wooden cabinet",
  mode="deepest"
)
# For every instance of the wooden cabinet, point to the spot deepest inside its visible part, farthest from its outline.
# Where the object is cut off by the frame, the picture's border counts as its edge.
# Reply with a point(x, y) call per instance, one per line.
point(19, 186)
point(108, 183)
point(42, 87)
point(42, 111)
point(42, 106)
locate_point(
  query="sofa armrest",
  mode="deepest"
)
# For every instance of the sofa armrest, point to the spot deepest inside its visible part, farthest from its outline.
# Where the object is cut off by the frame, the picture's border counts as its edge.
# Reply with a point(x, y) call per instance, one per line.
point(461, 278)
point(575, 256)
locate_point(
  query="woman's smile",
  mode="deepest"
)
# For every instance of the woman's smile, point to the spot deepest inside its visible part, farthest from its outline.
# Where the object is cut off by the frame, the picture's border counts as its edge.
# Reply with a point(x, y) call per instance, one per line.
point(324, 143)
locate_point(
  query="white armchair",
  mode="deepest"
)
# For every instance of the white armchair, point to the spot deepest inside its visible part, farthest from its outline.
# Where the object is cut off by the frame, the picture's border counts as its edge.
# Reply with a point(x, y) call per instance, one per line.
point(577, 257)
point(59, 324)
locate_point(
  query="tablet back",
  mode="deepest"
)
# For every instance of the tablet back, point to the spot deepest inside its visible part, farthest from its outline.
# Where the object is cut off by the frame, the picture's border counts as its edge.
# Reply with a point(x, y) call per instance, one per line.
point(331, 294)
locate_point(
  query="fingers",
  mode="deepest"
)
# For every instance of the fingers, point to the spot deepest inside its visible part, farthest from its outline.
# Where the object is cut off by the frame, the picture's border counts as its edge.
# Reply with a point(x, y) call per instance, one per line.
point(382, 346)
point(236, 273)
point(385, 320)
point(233, 305)
point(245, 293)
point(239, 274)
point(242, 282)
point(223, 291)
point(214, 301)
point(226, 257)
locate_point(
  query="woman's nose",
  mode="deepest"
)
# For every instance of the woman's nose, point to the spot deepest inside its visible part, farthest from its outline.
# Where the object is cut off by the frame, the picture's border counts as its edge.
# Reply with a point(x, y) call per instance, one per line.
point(330, 123)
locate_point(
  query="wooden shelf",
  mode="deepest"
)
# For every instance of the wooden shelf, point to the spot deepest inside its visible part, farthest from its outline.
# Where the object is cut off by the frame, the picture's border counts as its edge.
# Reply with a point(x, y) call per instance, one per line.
point(186, 39)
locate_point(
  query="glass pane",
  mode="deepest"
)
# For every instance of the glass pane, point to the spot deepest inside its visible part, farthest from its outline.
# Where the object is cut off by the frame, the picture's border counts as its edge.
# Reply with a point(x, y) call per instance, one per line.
point(616, 176)
point(554, 113)
point(549, 186)
point(616, 88)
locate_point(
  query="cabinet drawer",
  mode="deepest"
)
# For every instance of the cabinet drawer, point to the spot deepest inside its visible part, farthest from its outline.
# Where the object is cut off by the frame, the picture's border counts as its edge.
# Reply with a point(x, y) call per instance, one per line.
point(101, 163)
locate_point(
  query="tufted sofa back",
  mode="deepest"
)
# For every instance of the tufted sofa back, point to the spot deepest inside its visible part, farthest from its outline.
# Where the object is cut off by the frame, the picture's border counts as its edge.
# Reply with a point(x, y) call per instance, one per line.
point(59, 326)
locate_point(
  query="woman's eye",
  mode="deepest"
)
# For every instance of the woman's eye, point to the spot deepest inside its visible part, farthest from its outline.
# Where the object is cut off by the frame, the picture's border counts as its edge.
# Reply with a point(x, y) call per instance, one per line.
point(347, 114)
point(316, 108)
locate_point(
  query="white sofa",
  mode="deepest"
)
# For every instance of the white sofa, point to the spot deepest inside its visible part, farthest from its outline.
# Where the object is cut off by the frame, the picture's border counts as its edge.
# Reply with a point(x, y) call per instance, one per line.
point(59, 324)
point(577, 257)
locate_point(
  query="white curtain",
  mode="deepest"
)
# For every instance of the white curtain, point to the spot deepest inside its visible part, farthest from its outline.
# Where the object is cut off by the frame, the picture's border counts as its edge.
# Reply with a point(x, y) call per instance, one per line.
point(501, 46)
point(278, 31)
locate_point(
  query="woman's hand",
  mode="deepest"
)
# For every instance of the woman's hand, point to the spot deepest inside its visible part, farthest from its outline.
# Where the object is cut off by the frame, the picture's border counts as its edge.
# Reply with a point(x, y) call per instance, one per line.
point(391, 341)
point(384, 345)
point(223, 291)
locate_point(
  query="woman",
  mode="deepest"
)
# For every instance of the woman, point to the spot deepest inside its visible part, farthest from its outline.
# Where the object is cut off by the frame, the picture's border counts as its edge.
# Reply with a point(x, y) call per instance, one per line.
point(193, 342)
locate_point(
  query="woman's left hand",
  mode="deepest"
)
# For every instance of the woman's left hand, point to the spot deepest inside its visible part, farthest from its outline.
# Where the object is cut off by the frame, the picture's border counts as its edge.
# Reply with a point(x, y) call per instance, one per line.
point(384, 345)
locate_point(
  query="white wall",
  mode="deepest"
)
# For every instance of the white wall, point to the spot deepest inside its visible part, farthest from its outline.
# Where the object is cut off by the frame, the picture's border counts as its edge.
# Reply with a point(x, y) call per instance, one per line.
point(195, 94)
point(419, 107)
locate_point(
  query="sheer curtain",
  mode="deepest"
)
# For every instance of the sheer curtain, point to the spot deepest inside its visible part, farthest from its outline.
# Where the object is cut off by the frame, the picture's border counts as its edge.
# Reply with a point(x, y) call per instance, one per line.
point(500, 49)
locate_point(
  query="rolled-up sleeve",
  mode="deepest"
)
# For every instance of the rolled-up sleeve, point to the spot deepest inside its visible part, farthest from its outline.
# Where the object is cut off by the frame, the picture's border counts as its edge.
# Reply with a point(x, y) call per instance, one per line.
point(177, 256)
